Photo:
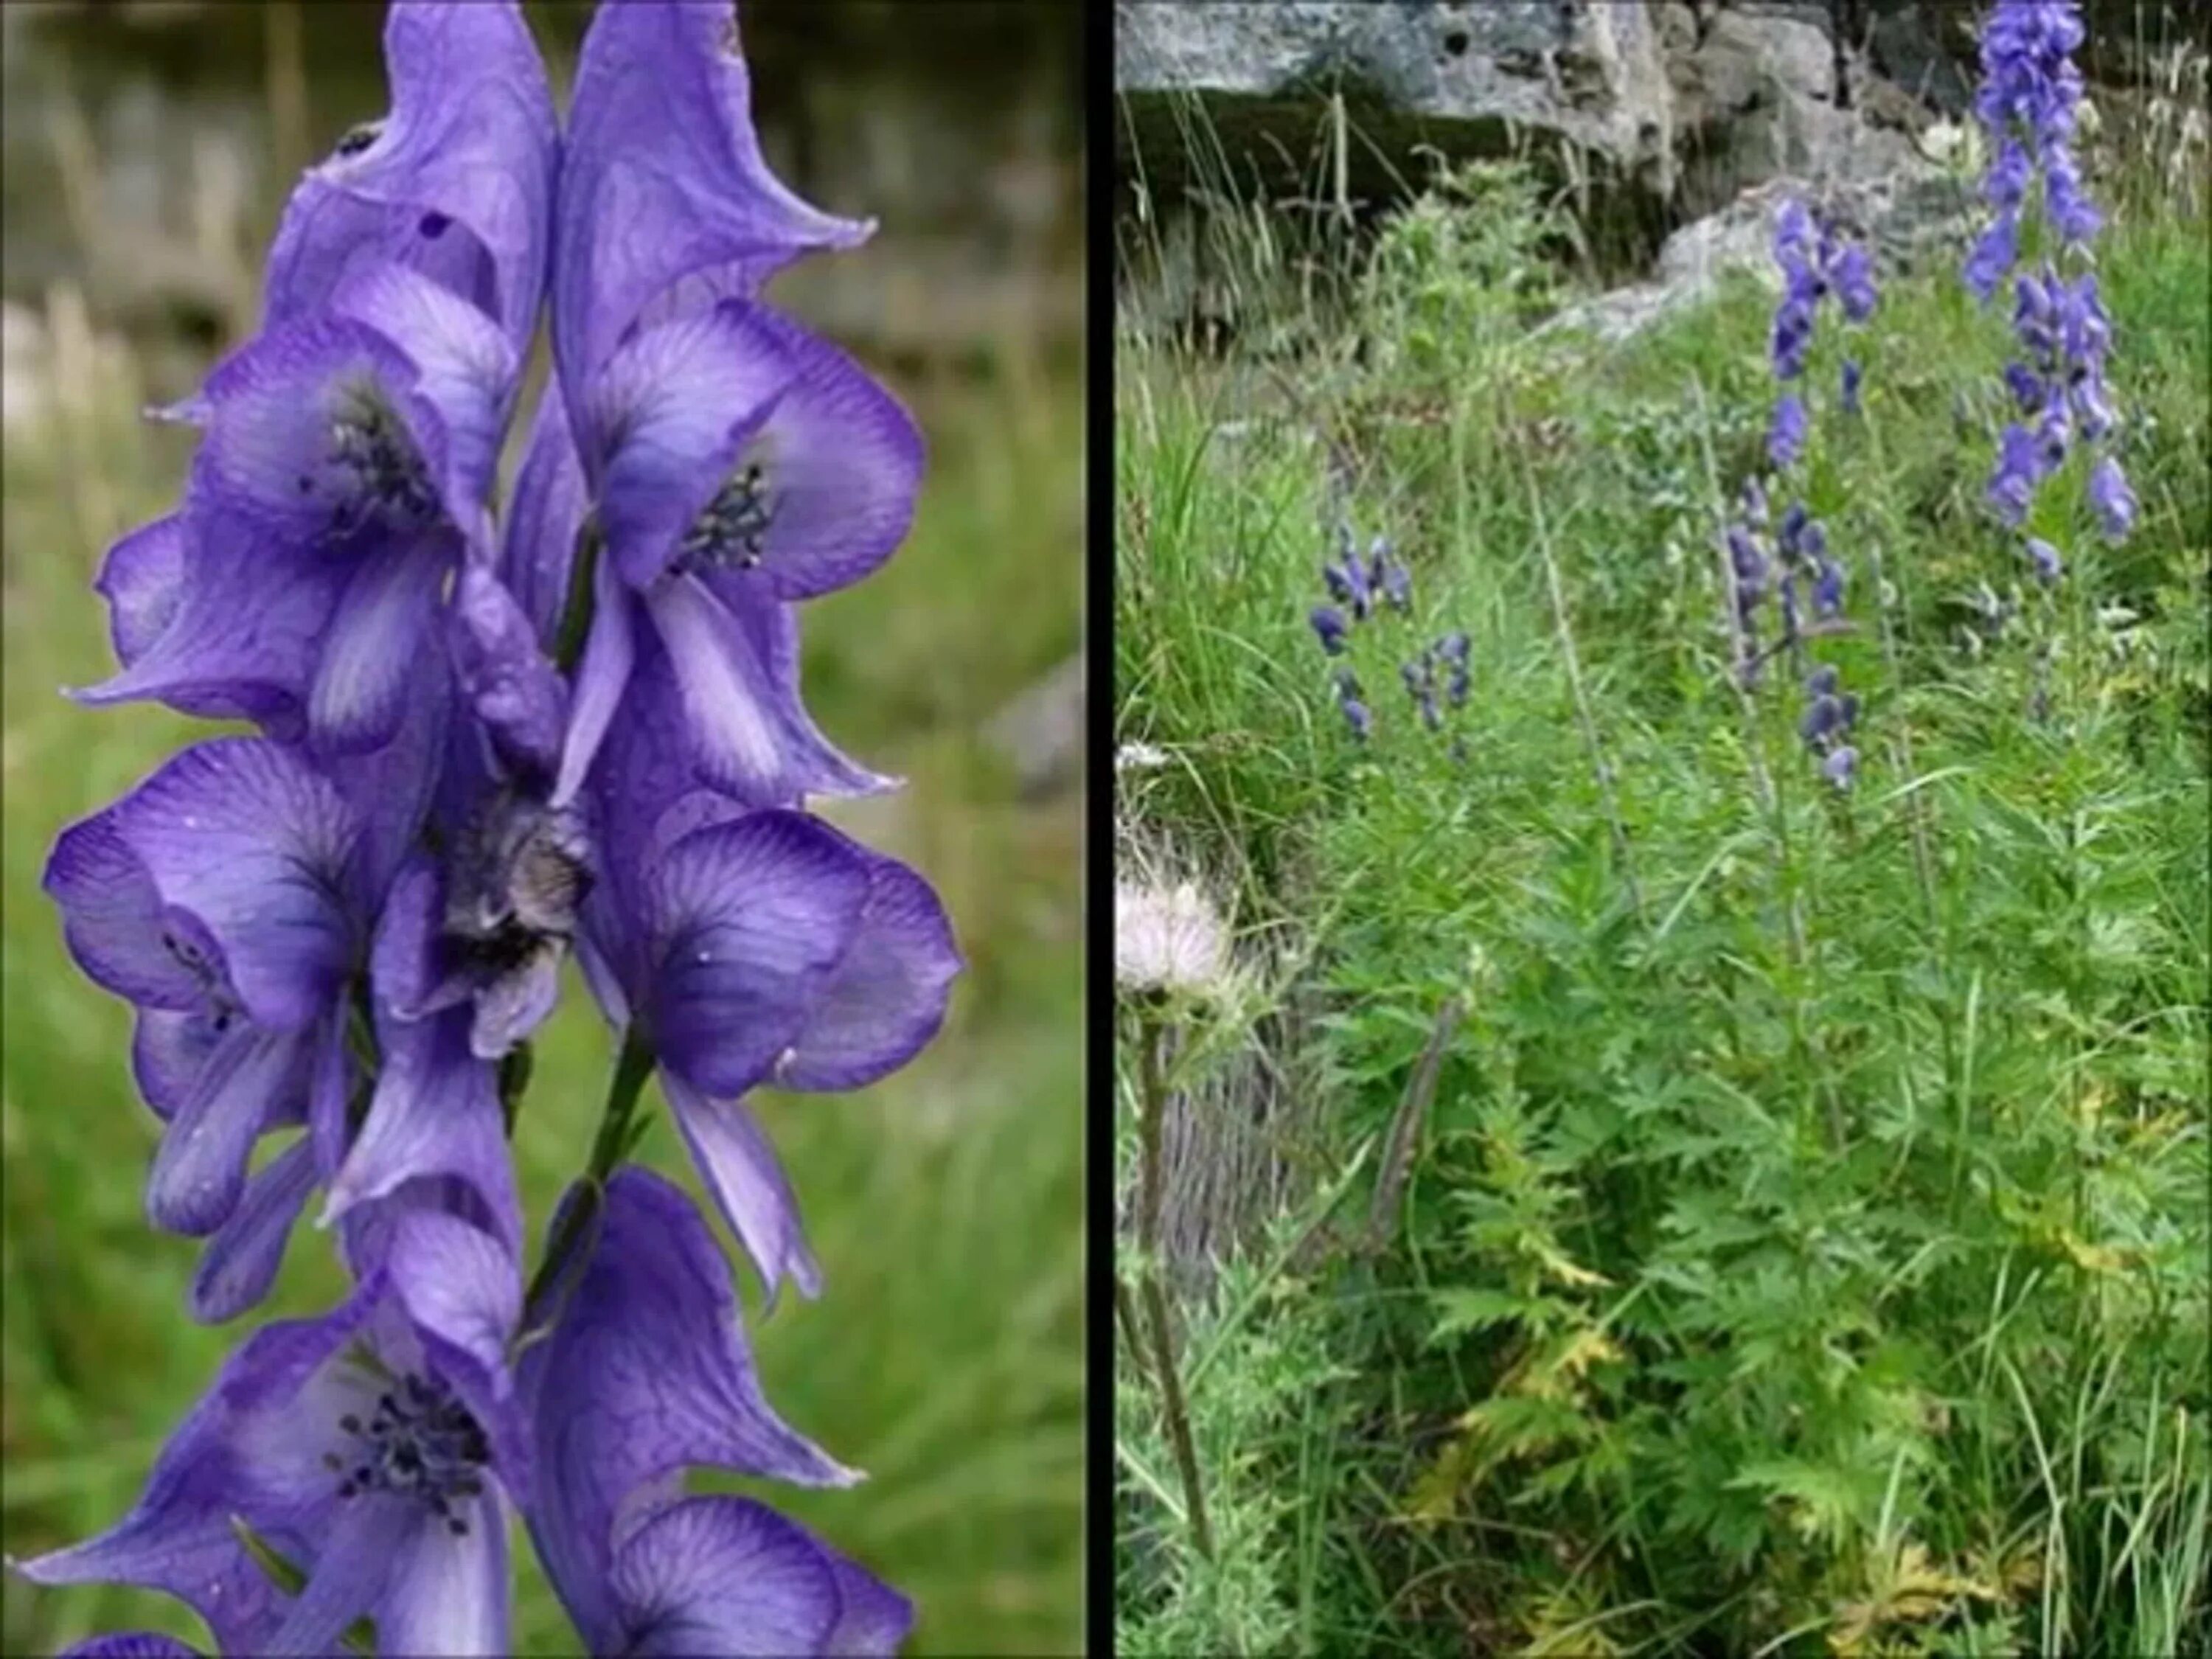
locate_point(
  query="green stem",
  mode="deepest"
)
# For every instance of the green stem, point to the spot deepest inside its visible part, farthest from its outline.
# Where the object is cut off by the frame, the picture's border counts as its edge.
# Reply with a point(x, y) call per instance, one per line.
point(576, 607)
point(633, 1066)
point(1152, 1106)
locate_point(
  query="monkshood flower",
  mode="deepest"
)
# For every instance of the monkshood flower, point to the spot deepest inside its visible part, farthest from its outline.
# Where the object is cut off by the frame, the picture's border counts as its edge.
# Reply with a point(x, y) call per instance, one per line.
point(1391, 575)
point(377, 1449)
point(1827, 725)
point(1330, 626)
point(747, 948)
point(2049, 567)
point(738, 465)
point(2113, 501)
point(1786, 433)
point(1349, 578)
point(1420, 677)
point(226, 898)
point(1849, 388)
point(1452, 651)
point(347, 449)
point(643, 1376)
point(1352, 702)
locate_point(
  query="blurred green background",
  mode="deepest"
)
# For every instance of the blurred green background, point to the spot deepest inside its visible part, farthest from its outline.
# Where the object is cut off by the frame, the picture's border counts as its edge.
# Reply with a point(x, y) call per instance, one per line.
point(148, 150)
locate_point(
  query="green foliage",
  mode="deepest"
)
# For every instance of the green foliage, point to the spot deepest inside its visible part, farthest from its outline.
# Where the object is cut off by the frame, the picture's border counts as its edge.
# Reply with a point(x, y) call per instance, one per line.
point(1807, 1248)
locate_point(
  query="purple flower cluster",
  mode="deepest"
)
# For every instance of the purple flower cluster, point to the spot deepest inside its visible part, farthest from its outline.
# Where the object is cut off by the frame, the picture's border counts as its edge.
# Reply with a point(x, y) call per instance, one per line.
point(2030, 92)
point(1799, 573)
point(1359, 587)
point(1816, 264)
point(488, 743)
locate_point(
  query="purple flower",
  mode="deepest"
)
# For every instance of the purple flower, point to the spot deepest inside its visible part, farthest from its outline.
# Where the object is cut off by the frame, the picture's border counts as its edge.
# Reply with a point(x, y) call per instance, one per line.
point(1850, 390)
point(1785, 436)
point(738, 464)
point(1792, 336)
point(751, 948)
point(131, 1644)
point(376, 1449)
point(224, 898)
point(2049, 567)
point(1841, 766)
point(2010, 169)
point(2112, 501)
point(1827, 589)
point(2027, 387)
point(1852, 275)
point(643, 1376)
point(2019, 470)
point(456, 182)
point(1992, 256)
point(1392, 576)
point(1329, 625)
point(346, 462)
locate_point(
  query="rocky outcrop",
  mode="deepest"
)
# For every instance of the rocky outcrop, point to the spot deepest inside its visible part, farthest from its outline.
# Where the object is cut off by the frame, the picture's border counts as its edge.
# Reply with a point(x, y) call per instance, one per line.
point(1665, 111)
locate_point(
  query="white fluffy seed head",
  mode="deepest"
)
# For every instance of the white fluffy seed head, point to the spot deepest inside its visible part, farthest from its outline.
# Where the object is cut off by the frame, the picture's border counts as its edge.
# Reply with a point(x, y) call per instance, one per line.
point(1168, 939)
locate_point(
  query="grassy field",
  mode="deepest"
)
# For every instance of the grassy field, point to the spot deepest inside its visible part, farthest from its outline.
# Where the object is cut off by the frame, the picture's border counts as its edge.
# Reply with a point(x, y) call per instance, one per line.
point(946, 1357)
point(1806, 1250)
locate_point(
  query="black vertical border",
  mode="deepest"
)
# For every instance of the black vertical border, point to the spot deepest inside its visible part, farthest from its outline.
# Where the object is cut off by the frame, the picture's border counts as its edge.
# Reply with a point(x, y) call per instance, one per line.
point(1098, 801)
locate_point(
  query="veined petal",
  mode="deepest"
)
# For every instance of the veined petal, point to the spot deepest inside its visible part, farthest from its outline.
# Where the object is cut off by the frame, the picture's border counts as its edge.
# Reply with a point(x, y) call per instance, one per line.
point(404, 963)
point(214, 617)
point(143, 580)
point(448, 1593)
point(873, 1618)
point(169, 1050)
point(318, 429)
point(665, 422)
point(252, 1079)
point(458, 180)
point(748, 920)
point(663, 176)
point(252, 1447)
point(841, 460)
point(372, 654)
point(739, 1169)
point(114, 920)
point(601, 678)
point(367, 1539)
point(736, 675)
point(436, 1112)
point(545, 519)
point(645, 1374)
point(238, 833)
point(726, 1576)
point(241, 1262)
point(132, 1644)
point(508, 680)
point(466, 368)
point(887, 998)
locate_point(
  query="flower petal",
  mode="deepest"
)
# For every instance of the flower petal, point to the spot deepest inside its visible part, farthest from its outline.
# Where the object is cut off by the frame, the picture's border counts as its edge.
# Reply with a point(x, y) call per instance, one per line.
point(457, 180)
point(449, 1592)
point(234, 635)
point(252, 1447)
point(739, 1167)
point(736, 674)
point(240, 834)
point(873, 1618)
point(276, 409)
point(466, 368)
point(843, 461)
point(241, 1262)
point(601, 678)
point(663, 176)
point(367, 1540)
point(727, 1576)
point(373, 655)
point(251, 1080)
point(543, 522)
point(748, 920)
point(131, 1644)
point(887, 998)
point(143, 578)
point(666, 419)
point(509, 681)
point(435, 1113)
point(168, 1051)
point(644, 1374)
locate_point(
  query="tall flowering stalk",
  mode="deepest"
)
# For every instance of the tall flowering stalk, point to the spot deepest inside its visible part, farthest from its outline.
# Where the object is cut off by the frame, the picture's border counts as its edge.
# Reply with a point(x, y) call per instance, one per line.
point(488, 743)
point(2027, 105)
